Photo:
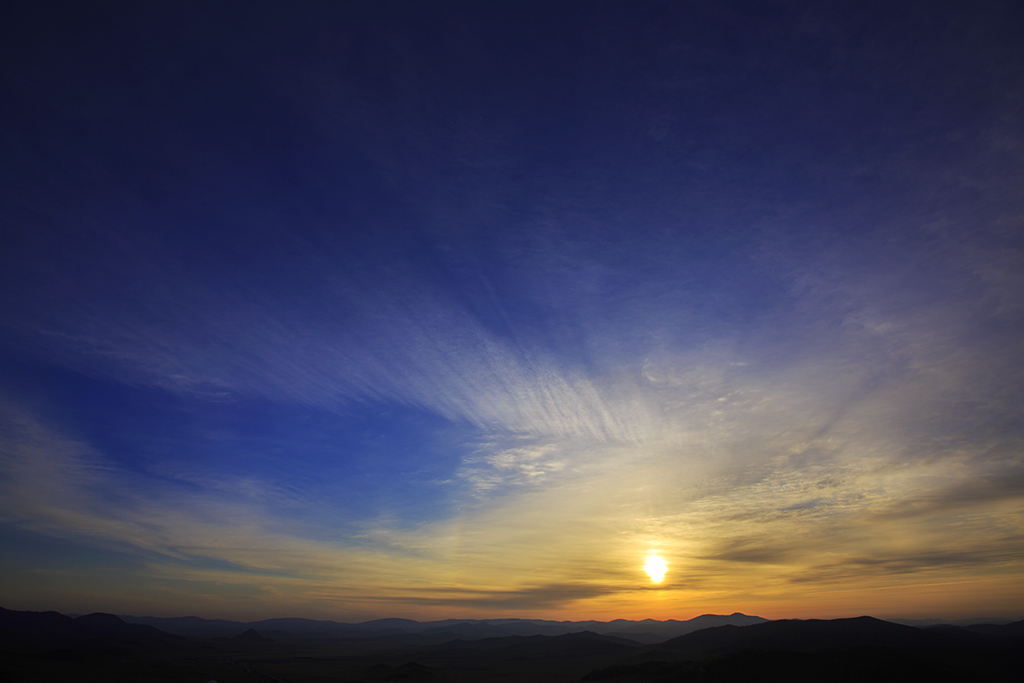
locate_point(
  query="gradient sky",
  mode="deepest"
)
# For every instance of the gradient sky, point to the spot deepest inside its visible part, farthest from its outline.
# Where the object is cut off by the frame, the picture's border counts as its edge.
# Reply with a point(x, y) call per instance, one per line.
point(354, 310)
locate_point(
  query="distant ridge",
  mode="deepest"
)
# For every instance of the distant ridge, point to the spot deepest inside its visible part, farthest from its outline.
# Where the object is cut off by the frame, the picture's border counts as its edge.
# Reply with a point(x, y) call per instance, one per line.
point(650, 631)
point(922, 623)
point(191, 626)
point(811, 635)
point(836, 650)
point(52, 646)
point(643, 631)
point(60, 630)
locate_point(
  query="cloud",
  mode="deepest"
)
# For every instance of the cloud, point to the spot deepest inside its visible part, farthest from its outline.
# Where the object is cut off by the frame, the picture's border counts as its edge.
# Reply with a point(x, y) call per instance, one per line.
point(400, 341)
point(845, 432)
point(62, 487)
point(522, 600)
point(495, 467)
point(980, 490)
point(988, 559)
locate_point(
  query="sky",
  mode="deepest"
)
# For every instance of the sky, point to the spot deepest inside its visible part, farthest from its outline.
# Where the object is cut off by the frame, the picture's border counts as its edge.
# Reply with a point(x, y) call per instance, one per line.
point(430, 310)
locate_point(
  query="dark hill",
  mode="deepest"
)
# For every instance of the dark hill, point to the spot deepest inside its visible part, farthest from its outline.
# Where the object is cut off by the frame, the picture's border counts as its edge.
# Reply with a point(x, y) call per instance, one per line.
point(878, 665)
point(101, 621)
point(301, 627)
point(191, 626)
point(583, 644)
point(812, 635)
point(253, 636)
point(391, 623)
point(1011, 630)
point(983, 635)
point(653, 631)
point(56, 630)
point(841, 650)
point(20, 625)
point(470, 631)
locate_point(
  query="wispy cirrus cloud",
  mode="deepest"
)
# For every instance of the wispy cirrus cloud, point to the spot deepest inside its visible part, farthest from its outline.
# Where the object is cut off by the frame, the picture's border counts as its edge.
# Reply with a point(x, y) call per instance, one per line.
point(412, 347)
point(751, 466)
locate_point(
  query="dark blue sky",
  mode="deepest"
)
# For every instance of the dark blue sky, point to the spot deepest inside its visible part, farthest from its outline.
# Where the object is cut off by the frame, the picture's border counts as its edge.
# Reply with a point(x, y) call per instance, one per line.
point(402, 308)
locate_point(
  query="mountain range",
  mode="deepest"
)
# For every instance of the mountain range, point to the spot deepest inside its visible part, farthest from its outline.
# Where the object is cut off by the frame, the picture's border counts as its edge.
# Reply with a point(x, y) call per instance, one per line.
point(642, 631)
point(37, 646)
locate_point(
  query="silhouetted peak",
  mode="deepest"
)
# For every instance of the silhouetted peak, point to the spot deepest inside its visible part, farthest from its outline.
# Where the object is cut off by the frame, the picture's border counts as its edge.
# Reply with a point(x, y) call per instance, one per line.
point(101, 620)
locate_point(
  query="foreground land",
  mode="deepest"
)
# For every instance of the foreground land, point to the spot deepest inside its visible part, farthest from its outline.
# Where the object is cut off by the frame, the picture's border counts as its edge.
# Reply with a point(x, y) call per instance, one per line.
point(47, 646)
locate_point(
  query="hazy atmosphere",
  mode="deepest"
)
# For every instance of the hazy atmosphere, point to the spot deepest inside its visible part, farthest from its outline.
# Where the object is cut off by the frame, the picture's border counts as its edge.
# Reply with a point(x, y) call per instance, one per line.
point(349, 310)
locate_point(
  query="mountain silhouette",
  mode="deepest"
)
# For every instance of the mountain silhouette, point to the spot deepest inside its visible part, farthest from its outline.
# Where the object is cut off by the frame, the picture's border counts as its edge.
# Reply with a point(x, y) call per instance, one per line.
point(811, 635)
point(585, 643)
point(839, 650)
point(52, 646)
point(652, 631)
point(645, 631)
point(31, 626)
point(252, 635)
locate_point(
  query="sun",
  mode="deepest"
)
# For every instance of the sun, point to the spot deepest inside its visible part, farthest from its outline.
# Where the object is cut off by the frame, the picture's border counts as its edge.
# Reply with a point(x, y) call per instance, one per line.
point(656, 568)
